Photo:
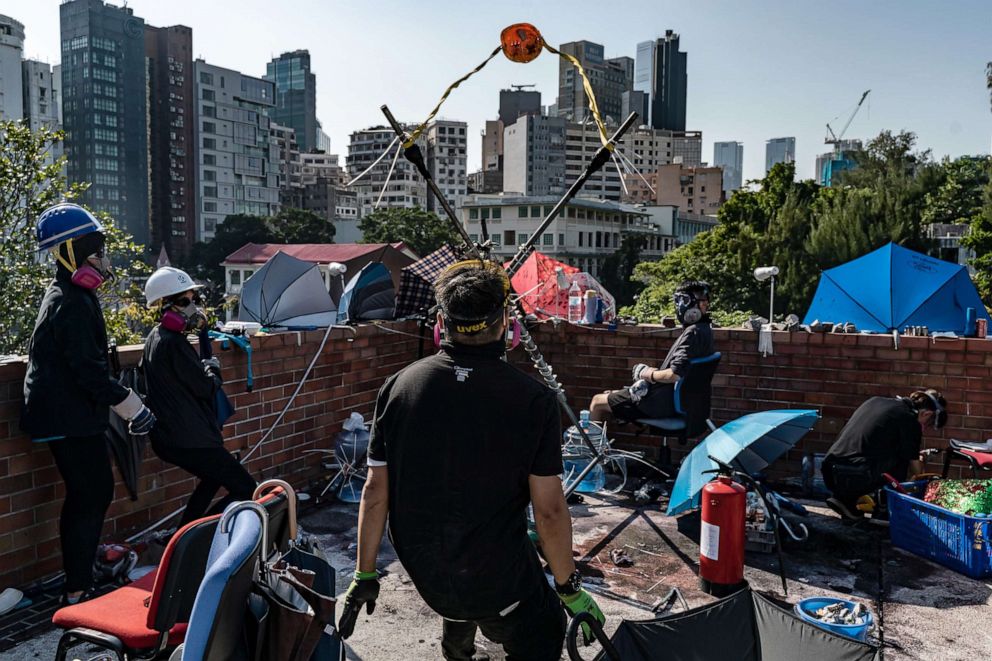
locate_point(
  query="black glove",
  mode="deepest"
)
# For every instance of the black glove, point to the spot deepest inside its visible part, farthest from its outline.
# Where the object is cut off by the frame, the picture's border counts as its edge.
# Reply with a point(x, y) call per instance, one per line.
point(211, 366)
point(364, 589)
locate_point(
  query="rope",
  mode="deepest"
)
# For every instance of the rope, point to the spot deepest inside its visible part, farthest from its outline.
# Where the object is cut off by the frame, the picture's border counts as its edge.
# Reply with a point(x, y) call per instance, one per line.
point(420, 129)
point(389, 175)
point(374, 163)
point(590, 95)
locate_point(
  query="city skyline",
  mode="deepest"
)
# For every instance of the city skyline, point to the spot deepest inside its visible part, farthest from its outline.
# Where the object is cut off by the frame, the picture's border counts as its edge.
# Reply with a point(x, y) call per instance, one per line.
point(913, 56)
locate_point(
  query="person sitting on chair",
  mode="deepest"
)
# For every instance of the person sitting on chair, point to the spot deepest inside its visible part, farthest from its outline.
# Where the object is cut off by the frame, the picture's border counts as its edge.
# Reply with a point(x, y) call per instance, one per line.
point(652, 394)
point(884, 435)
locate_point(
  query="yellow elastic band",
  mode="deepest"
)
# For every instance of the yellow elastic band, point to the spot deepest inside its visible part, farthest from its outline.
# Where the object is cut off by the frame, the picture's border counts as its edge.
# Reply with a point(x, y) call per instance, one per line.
point(420, 129)
point(590, 95)
point(72, 257)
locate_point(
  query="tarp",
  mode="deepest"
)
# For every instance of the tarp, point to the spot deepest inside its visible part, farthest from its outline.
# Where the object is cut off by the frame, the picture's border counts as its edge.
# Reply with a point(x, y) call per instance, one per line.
point(749, 627)
point(286, 292)
point(540, 290)
point(416, 291)
point(894, 287)
point(369, 295)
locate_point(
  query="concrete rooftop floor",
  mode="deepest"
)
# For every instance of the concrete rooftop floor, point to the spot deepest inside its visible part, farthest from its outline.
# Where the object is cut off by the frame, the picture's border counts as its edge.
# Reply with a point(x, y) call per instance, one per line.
point(924, 610)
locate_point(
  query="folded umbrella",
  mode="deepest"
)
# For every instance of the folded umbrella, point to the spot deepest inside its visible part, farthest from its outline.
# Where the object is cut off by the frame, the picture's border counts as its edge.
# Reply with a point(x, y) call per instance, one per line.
point(750, 444)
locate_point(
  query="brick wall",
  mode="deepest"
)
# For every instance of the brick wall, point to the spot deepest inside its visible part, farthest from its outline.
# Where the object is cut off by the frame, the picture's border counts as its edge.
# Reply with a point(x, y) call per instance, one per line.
point(830, 373)
point(345, 378)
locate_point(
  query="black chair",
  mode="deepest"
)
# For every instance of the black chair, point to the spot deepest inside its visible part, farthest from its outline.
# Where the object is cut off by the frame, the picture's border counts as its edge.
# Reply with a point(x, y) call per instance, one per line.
point(691, 397)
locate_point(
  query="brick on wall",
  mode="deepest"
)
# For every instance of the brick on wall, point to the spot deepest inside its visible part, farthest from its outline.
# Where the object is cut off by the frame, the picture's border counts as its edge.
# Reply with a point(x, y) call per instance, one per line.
point(345, 378)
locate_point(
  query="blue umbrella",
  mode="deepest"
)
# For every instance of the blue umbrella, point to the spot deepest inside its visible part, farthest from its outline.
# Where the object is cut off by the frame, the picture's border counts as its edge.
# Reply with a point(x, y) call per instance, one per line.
point(750, 444)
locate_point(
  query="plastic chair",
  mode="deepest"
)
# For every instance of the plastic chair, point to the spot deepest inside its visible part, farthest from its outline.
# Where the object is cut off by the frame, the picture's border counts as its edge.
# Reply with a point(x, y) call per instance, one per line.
point(216, 625)
point(691, 397)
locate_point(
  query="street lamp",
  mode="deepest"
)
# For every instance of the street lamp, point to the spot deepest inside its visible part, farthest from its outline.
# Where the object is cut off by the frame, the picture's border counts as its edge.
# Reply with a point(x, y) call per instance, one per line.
point(761, 274)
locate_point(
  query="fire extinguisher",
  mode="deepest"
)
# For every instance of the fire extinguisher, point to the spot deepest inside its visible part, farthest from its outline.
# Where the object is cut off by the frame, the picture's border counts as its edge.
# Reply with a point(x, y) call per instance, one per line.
point(721, 538)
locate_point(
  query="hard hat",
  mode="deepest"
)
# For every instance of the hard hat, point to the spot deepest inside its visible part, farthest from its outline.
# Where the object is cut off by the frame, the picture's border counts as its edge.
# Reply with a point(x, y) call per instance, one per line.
point(62, 222)
point(167, 281)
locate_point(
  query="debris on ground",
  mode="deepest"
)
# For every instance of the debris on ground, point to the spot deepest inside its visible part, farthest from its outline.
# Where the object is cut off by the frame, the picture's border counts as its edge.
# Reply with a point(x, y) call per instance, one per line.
point(620, 558)
point(838, 613)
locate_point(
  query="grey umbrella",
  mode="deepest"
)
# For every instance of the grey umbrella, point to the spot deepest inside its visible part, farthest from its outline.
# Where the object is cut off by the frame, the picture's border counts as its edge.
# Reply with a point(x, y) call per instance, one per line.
point(287, 292)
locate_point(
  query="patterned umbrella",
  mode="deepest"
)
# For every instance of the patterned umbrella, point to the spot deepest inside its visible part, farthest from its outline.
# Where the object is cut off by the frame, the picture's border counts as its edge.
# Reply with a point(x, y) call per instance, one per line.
point(416, 293)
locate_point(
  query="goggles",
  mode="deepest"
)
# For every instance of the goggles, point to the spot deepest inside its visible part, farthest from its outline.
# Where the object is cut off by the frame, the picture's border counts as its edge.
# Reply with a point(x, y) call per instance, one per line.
point(939, 413)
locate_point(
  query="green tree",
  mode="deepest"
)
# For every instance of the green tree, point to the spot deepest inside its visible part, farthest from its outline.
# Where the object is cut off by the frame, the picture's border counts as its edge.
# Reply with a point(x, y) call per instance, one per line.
point(422, 231)
point(979, 240)
point(301, 226)
point(618, 269)
point(29, 183)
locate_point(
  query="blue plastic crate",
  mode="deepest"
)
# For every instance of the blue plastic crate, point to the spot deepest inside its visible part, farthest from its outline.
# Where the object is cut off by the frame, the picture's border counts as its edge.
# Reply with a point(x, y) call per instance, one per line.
point(963, 543)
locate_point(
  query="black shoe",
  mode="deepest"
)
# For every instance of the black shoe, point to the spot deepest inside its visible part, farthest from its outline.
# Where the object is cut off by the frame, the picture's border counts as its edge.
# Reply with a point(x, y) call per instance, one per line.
point(85, 596)
point(843, 510)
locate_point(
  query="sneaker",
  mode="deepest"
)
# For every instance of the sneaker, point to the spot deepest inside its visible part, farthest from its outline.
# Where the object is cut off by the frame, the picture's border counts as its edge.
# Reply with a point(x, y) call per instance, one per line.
point(64, 600)
point(843, 510)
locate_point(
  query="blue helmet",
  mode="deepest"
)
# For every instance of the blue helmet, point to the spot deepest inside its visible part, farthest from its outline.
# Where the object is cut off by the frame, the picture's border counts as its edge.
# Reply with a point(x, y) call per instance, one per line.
point(62, 222)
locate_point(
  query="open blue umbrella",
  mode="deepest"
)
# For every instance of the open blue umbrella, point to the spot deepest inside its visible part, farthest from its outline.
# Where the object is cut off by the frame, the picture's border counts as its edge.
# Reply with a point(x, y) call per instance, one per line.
point(750, 444)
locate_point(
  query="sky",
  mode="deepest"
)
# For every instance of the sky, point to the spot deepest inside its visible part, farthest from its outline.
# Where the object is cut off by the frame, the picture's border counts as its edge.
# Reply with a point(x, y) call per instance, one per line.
point(756, 70)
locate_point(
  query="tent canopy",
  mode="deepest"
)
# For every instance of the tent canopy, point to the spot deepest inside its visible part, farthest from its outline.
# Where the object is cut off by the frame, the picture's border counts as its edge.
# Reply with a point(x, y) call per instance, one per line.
point(894, 287)
point(416, 291)
point(538, 286)
point(286, 292)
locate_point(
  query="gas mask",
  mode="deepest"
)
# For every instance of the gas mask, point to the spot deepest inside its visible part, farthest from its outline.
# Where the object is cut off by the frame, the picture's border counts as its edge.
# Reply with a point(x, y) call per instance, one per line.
point(184, 315)
point(95, 269)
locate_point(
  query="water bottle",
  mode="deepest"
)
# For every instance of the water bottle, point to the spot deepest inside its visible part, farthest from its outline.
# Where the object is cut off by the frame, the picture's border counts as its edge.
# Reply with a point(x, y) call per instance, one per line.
point(596, 478)
point(584, 419)
point(575, 303)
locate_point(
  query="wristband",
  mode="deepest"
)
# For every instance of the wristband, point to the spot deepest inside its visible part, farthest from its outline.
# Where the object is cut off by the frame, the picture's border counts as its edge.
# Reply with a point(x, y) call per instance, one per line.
point(365, 575)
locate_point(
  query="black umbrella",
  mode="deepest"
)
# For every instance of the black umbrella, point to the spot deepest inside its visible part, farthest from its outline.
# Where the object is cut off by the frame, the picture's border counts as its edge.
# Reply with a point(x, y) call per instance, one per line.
point(128, 449)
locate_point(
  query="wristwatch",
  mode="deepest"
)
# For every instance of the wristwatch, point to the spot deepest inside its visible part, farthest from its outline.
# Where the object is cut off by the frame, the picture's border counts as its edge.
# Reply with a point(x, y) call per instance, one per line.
point(572, 585)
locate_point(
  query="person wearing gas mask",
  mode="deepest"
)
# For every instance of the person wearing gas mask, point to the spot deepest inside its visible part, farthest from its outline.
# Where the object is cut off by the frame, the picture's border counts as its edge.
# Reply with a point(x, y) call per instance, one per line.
point(461, 442)
point(652, 393)
point(884, 436)
point(182, 392)
point(69, 389)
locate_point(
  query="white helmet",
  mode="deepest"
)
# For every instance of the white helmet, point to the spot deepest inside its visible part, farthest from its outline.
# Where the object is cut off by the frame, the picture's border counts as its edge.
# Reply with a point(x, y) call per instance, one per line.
point(167, 281)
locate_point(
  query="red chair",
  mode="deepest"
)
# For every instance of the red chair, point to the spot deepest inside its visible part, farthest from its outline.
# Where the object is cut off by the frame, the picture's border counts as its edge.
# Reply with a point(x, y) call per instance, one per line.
point(977, 455)
point(142, 619)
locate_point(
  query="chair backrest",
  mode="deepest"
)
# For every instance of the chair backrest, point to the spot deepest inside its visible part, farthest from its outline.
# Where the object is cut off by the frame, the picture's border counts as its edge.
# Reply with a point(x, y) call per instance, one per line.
point(277, 505)
point(693, 392)
point(179, 574)
point(217, 621)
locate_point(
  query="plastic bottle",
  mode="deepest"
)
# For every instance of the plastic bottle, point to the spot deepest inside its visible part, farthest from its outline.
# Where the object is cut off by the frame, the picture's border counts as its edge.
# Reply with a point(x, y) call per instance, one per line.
point(596, 478)
point(575, 302)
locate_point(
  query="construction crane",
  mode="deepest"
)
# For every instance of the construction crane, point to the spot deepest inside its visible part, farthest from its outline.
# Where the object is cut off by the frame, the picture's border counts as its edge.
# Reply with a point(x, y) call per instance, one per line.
point(517, 88)
point(836, 138)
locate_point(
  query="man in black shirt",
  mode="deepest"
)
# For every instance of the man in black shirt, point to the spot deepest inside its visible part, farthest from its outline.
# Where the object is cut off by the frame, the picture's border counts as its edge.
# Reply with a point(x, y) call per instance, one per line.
point(461, 442)
point(651, 395)
point(883, 436)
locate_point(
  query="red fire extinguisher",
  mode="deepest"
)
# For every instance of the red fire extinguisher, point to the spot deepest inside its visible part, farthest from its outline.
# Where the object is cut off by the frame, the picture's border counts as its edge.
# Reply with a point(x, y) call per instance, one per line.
point(721, 538)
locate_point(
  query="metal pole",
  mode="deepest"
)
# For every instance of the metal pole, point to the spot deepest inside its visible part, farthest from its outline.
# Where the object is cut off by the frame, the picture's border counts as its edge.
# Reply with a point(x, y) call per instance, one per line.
point(771, 304)
point(598, 161)
point(414, 155)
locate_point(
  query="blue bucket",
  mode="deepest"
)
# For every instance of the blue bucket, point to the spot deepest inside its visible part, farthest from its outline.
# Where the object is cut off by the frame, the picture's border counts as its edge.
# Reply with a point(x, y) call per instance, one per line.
point(806, 608)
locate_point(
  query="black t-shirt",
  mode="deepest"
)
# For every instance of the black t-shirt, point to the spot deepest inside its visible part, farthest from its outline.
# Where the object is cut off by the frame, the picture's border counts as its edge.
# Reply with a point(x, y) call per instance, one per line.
point(885, 432)
point(696, 341)
point(460, 432)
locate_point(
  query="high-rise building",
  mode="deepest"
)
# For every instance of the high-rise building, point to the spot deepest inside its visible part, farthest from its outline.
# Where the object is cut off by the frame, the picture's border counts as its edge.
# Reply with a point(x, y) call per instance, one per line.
point(296, 96)
point(639, 102)
point(534, 155)
point(105, 115)
point(831, 163)
point(41, 102)
point(609, 78)
point(11, 52)
point(447, 162)
point(582, 141)
point(779, 150)
point(323, 140)
point(405, 188)
point(730, 157)
point(687, 148)
point(172, 140)
point(660, 71)
point(516, 102)
point(238, 172)
point(694, 190)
